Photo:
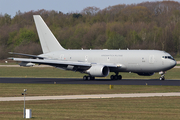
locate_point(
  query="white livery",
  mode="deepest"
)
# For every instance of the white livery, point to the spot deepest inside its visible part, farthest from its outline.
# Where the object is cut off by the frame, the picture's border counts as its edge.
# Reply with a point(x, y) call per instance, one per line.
point(96, 63)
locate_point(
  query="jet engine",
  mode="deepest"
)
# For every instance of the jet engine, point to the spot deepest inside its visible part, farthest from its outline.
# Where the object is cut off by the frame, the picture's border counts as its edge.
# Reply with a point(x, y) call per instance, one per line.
point(98, 71)
point(145, 74)
point(25, 64)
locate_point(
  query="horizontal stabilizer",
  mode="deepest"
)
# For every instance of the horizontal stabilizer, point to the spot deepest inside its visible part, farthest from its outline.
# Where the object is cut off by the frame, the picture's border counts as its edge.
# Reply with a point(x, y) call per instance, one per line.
point(27, 55)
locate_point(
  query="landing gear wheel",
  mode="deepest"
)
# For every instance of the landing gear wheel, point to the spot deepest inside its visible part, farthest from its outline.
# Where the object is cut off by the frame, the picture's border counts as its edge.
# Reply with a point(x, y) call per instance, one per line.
point(161, 78)
point(85, 77)
point(88, 78)
point(119, 77)
point(92, 78)
point(112, 77)
point(116, 77)
point(162, 73)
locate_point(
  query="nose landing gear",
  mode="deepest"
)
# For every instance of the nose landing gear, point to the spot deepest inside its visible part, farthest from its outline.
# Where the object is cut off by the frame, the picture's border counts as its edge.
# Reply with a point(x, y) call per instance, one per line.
point(162, 73)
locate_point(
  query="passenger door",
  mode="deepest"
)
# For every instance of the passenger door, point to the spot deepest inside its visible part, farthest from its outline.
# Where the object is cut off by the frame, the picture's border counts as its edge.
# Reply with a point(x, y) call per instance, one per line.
point(151, 59)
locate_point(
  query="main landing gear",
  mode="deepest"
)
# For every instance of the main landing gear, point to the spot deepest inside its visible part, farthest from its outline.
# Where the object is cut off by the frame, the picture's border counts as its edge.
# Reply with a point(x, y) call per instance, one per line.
point(162, 73)
point(112, 77)
point(116, 77)
point(88, 78)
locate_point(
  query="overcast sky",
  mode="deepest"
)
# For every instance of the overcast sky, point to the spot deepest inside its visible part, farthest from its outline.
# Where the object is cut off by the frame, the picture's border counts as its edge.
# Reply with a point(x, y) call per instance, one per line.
point(12, 6)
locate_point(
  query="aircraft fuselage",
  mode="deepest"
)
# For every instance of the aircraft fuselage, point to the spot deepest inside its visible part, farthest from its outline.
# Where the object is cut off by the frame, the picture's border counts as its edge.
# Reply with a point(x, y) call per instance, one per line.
point(127, 60)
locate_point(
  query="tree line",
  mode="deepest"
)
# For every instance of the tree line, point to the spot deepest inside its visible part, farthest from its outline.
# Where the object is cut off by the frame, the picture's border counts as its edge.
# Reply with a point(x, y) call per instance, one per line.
point(148, 25)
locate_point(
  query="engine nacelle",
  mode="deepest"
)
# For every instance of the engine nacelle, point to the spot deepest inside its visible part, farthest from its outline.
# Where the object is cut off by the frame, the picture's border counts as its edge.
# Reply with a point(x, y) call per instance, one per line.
point(145, 74)
point(98, 71)
point(25, 64)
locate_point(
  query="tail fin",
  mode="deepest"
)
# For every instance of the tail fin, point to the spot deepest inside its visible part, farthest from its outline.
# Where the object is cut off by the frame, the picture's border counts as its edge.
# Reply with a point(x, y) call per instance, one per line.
point(48, 41)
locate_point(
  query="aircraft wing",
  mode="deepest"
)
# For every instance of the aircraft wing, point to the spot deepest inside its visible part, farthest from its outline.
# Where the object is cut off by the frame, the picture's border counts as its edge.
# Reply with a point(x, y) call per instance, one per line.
point(59, 63)
point(51, 62)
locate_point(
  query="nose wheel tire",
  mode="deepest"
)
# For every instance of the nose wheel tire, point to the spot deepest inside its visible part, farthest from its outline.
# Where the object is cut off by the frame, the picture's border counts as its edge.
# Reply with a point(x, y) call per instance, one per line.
point(162, 78)
point(162, 73)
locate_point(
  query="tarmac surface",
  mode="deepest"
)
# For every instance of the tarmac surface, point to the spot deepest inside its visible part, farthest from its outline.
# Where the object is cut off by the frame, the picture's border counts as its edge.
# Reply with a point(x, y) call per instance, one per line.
point(81, 81)
point(95, 96)
point(96, 81)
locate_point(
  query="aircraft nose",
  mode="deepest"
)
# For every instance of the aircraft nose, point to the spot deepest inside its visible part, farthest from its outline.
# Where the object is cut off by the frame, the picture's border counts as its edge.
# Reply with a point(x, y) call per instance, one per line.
point(173, 63)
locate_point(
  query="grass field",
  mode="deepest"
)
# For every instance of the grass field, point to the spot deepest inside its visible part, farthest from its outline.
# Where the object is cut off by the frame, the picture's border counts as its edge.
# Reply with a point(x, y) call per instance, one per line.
point(50, 72)
point(161, 108)
point(15, 90)
point(150, 108)
point(177, 59)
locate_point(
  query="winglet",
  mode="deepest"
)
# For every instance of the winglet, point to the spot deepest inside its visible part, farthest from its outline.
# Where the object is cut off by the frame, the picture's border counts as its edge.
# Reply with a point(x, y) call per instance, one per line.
point(48, 41)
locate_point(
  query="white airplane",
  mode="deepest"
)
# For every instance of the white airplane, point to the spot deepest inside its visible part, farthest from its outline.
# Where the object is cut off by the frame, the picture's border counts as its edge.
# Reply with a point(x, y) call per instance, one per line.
point(96, 63)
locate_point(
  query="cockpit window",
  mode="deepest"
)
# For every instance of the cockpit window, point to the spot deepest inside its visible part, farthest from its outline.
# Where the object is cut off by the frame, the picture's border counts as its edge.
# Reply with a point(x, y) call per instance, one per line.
point(168, 57)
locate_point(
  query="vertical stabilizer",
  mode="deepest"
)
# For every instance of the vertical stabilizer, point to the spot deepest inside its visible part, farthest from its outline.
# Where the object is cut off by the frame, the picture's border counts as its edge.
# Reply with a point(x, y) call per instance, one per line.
point(48, 41)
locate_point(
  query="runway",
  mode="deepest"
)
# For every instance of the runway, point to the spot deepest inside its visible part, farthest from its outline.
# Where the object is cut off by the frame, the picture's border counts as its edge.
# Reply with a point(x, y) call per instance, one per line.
point(97, 81)
point(95, 96)
point(81, 81)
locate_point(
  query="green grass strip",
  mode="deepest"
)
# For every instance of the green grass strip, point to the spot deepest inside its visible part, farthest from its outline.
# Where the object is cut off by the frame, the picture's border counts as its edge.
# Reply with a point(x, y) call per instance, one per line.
point(15, 90)
point(50, 72)
point(150, 108)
